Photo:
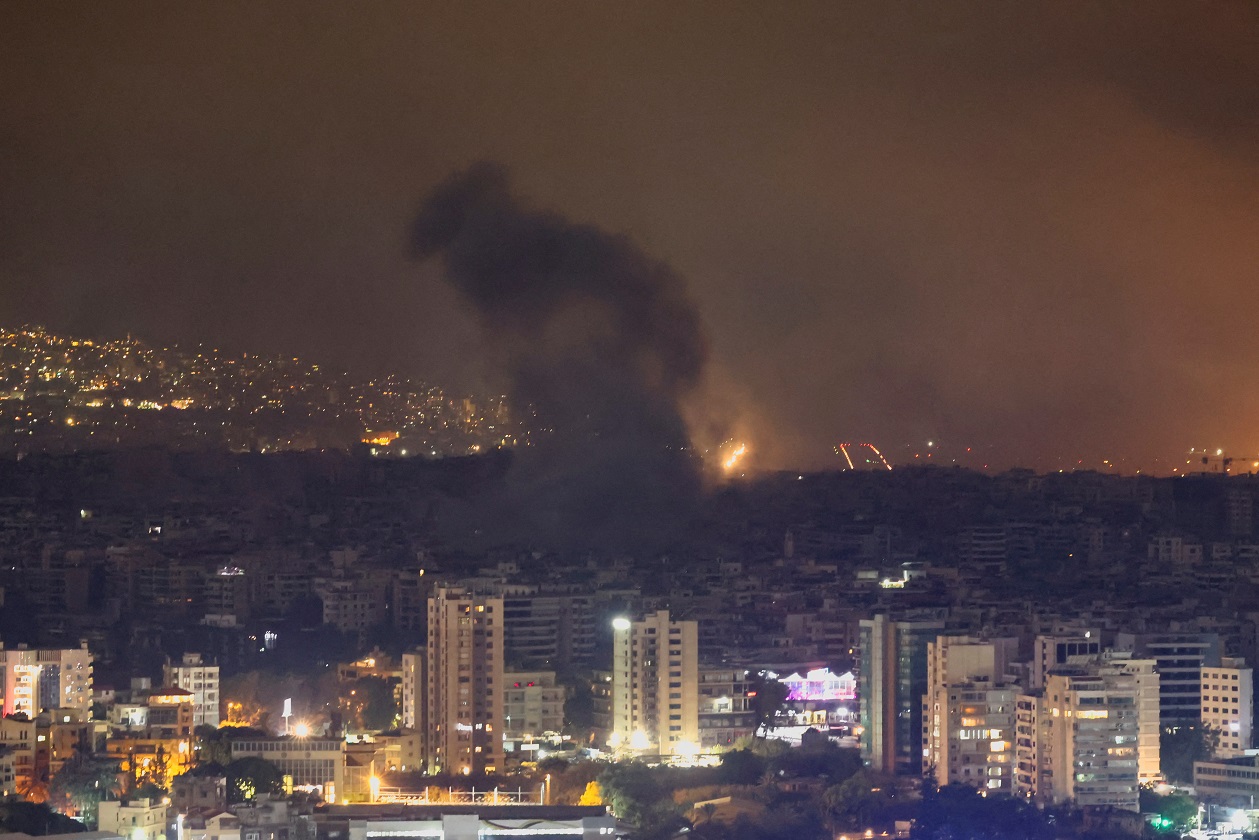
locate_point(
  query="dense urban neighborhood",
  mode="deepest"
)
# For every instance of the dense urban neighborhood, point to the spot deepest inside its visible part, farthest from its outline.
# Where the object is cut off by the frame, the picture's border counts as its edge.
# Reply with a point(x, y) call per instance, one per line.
point(201, 640)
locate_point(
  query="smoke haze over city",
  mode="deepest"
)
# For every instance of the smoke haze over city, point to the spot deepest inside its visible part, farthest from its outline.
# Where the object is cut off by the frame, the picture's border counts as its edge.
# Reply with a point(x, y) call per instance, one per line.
point(1024, 229)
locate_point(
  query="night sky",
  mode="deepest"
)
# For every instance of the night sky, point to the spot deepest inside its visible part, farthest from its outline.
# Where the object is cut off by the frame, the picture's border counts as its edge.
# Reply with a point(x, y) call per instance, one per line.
point(1032, 232)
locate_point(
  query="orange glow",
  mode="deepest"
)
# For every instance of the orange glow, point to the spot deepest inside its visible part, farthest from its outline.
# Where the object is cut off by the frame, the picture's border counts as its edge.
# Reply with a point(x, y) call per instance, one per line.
point(381, 438)
point(734, 457)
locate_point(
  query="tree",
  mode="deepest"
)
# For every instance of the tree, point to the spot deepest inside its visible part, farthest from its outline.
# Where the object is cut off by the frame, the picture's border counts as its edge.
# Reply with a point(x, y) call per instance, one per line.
point(34, 819)
point(769, 700)
point(636, 795)
point(248, 777)
point(81, 784)
point(370, 701)
point(1175, 811)
point(212, 746)
point(592, 796)
point(579, 708)
point(741, 767)
point(857, 802)
point(960, 812)
point(1180, 746)
point(826, 760)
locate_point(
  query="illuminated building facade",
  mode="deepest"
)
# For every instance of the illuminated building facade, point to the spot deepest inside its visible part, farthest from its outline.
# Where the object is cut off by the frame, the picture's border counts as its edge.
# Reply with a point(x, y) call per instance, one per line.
point(1228, 706)
point(655, 685)
point(35, 680)
point(201, 680)
point(17, 752)
point(312, 762)
point(532, 705)
point(971, 736)
point(171, 713)
point(820, 685)
point(1091, 724)
point(136, 819)
point(465, 682)
point(725, 709)
point(969, 713)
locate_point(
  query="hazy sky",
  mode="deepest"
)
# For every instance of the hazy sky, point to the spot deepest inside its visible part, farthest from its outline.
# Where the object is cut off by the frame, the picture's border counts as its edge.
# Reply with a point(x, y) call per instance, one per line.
point(1030, 231)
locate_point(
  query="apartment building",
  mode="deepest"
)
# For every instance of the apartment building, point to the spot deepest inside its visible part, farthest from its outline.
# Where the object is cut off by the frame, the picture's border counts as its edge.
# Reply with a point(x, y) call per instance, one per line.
point(655, 685)
point(465, 682)
point(201, 680)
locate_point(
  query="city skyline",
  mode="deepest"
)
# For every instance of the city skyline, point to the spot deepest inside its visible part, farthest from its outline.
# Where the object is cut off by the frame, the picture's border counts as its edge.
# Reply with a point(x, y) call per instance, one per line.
point(635, 420)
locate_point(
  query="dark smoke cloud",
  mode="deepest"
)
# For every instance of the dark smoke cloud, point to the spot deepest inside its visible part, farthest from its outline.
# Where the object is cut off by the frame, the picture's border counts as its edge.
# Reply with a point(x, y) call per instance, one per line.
point(602, 341)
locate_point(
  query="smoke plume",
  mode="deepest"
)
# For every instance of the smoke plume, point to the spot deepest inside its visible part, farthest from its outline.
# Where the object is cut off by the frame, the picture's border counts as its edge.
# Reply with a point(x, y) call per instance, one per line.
point(599, 340)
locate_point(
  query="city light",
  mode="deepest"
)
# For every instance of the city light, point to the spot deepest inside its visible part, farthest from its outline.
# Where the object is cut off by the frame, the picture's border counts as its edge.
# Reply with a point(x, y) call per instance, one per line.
point(621, 624)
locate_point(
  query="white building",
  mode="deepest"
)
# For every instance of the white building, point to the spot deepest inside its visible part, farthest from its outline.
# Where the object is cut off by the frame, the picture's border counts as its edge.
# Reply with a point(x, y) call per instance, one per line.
point(969, 713)
point(1228, 706)
point(202, 679)
point(1097, 734)
point(312, 762)
point(34, 680)
point(138, 819)
point(533, 705)
point(655, 685)
point(219, 826)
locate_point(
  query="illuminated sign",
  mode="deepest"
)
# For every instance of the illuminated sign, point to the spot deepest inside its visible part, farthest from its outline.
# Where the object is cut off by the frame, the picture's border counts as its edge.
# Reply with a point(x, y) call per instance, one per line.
point(821, 685)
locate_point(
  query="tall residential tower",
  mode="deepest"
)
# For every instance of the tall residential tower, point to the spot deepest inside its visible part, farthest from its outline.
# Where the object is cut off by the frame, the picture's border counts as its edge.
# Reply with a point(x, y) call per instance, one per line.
point(465, 683)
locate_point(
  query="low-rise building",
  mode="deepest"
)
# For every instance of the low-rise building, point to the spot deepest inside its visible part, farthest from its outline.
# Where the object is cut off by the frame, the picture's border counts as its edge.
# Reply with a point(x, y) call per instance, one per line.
point(311, 762)
point(1228, 781)
point(533, 705)
point(136, 819)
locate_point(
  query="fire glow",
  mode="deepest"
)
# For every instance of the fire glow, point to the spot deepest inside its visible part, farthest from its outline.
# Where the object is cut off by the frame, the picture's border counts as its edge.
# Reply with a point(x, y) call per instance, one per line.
point(731, 461)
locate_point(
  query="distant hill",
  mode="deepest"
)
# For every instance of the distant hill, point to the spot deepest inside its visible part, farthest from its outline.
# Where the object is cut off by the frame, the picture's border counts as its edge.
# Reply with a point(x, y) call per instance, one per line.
point(61, 393)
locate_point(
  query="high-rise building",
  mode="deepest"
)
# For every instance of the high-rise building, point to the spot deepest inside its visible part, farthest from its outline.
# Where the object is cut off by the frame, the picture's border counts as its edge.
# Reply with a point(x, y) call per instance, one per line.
point(34, 680)
point(414, 678)
point(465, 682)
point(1093, 722)
point(202, 680)
point(1180, 656)
point(548, 630)
point(969, 713)
point(891, 682)
point(1228, 706)
point(655, 685)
